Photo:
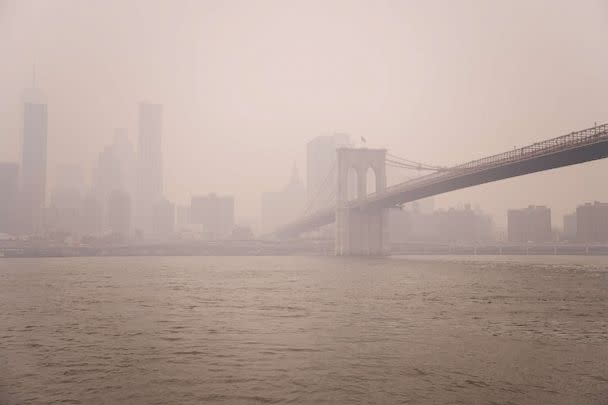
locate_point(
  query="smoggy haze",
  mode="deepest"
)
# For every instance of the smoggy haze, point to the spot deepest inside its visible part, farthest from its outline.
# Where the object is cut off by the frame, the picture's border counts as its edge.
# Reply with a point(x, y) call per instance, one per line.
point(245, 84)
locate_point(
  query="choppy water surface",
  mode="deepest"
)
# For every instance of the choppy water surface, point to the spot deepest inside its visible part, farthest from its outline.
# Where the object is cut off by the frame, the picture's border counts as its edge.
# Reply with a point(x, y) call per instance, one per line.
point(190, 330)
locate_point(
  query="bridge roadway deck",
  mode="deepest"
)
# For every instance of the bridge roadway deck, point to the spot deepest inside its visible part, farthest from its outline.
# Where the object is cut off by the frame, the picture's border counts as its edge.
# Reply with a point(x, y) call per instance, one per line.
point(574, 148)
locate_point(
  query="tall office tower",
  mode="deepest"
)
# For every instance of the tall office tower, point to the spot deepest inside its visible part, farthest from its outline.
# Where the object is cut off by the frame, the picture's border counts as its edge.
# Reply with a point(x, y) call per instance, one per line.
point(125, 154)
point(115, 167)
point(118, 213)
point(149, 149)
point(64, 213)
point(150, 173)
point(9, 187)
point(320, 169)
point(107, 176)
point(33, 166)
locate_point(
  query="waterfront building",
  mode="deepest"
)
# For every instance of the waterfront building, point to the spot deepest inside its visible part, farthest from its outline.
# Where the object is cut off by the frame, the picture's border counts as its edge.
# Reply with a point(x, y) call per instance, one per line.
point(531, 224)
point(592, 222)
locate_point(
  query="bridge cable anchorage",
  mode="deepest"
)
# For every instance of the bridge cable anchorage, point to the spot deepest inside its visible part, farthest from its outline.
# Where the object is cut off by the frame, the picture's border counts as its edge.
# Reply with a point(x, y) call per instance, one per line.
point(397, 161)
point(321, 188)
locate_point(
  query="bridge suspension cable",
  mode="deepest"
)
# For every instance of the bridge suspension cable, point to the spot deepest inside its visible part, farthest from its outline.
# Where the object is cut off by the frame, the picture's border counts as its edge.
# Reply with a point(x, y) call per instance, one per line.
point(397, 161)
point(322, 188)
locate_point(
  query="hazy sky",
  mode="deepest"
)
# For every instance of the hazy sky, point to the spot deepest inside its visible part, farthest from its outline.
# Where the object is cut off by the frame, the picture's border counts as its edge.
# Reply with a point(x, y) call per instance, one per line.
point(245, 84)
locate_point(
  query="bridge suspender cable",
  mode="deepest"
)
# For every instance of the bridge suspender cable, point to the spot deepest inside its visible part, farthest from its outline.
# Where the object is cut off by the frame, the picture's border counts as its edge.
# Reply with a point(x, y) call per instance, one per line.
point(392, 160)
point(321, 189)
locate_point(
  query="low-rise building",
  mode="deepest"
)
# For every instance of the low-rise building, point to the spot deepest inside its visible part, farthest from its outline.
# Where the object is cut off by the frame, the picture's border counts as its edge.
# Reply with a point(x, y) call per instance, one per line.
point(592, 222)
point(9, 189)
point(531, 224)
point(215, 213)
point(570, 226)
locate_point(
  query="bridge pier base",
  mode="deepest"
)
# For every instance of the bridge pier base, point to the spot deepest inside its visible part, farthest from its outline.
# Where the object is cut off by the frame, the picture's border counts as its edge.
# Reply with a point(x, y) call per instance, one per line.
point(360, 231)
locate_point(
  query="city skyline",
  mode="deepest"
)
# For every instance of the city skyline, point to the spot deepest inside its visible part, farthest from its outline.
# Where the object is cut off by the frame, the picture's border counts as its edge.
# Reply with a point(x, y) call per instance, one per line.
point(303, 201)
point(139, 178)
point(53, 175)
point(213, 117)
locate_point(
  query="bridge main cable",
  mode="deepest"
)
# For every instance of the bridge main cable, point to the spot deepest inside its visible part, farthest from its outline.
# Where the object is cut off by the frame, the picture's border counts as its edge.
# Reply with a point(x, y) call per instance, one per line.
point(397, 161)
point(570, 149)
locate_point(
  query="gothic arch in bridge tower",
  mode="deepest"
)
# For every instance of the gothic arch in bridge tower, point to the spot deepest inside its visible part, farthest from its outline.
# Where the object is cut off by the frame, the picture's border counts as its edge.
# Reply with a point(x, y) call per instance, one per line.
point(371, 183)
point(360, 231)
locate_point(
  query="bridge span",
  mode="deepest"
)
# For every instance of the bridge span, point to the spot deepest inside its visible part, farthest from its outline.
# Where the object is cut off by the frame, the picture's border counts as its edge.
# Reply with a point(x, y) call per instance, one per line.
point(574, 148)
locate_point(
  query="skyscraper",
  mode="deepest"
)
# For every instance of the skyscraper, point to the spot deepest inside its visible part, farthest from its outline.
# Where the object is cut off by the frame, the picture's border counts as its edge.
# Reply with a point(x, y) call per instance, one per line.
point(118, 212)
point(149, 149)
point(320, 171)
point(114, 182)
point(33, 166)
point(150, 173)
point(115, 167)
point(125, 154)
point(64, 213)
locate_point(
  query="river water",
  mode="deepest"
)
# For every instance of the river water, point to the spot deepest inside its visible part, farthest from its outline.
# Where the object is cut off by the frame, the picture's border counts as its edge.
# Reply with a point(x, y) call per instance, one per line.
point(191, 330)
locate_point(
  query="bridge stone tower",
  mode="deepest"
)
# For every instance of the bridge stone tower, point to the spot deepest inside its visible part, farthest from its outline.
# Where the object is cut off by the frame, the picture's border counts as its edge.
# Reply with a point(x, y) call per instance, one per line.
point(360, 231)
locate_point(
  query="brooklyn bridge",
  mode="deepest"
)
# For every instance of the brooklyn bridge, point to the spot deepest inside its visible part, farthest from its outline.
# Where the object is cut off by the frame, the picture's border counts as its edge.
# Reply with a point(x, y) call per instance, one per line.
point(360, 212)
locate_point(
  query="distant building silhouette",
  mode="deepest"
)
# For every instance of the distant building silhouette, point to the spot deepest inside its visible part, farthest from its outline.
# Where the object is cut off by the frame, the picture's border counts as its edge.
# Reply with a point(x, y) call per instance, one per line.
point(423, 206)
point(150, 171)
point(280, 207)
point(123, 150)
point(320, 178)
point(242, 233)
point(592, 222)
point(107, 174)
point(9, 189)
point(118, 210)
point(215, 214)
point(531, 224)
point(92, 215)
point(64, 213)
point(182, 216)
point(463, 225)
point(33, 167)
point(163, 222)
point(114, 183)
point(570, 227)
point(455, 225)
